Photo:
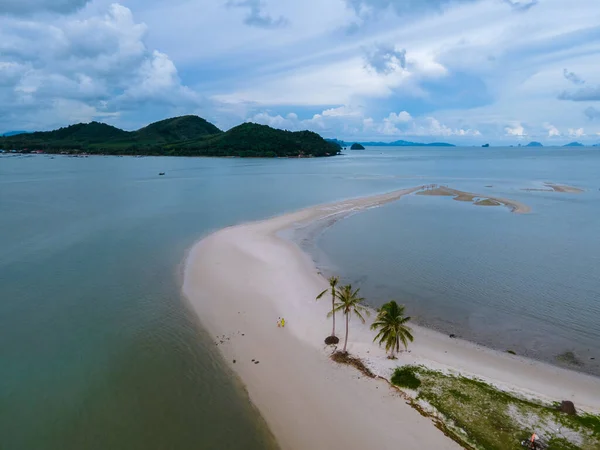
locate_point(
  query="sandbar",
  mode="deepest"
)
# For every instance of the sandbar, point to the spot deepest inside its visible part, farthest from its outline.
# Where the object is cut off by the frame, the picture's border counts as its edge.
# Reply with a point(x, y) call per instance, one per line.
point(476, 199)
point(556, 188)
point(242, 279)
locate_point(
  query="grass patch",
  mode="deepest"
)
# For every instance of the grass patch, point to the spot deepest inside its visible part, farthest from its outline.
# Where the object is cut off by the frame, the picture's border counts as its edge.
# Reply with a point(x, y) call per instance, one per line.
point(558, 443)
point(491, 419)
point(405, 377)
point(438, 191)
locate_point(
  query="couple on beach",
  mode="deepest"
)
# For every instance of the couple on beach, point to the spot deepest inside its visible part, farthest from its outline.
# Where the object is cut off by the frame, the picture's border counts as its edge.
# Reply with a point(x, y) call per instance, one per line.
point(280, 322)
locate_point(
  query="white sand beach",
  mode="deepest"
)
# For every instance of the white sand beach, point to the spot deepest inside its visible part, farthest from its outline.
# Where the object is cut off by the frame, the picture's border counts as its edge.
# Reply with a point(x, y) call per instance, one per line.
point(241, 279)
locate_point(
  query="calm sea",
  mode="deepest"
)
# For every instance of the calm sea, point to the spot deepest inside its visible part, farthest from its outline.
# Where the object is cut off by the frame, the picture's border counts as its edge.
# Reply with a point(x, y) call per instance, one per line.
point(527, 283)
point(98, 349)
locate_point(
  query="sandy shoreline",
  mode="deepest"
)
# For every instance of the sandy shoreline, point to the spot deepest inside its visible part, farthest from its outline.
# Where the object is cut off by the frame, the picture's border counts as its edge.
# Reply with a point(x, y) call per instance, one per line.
point(239, 280)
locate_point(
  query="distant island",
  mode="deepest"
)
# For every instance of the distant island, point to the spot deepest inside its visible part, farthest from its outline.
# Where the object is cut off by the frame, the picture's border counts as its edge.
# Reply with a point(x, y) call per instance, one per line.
point(392, 144)
point(485, 145)
point(13, 133)
point(574, 144)
point(178, 136)
point(402, 143)
point(357, 146)
point(534, 144)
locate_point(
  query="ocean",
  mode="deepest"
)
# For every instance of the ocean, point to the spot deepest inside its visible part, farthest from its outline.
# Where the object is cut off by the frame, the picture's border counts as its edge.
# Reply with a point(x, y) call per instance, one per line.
point(526, 283)
point(98, 349)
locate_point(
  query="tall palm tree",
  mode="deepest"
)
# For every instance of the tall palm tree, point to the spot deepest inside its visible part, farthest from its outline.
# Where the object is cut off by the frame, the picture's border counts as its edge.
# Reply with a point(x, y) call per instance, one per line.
point(392, 327)
point(349, 302)
point(333, 281)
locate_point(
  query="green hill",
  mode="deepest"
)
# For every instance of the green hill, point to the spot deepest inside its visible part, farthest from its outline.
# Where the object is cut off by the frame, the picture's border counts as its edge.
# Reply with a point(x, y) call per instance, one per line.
point(177, 129)
point(250, 139)
point(179, 136)
point(76, 135)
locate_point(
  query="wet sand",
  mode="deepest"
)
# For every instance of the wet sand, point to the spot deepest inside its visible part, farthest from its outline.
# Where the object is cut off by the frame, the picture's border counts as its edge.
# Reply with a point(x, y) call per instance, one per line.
point(556, 188)
point(476, 199)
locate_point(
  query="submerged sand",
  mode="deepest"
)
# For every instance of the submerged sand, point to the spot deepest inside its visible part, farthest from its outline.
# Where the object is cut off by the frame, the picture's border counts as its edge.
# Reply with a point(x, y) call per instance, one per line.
point(241, 279)
point(476, 199)
point(552, 187)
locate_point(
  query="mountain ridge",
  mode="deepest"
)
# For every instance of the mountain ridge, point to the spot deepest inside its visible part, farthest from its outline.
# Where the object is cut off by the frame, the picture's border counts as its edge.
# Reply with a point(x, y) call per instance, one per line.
point(177, 136)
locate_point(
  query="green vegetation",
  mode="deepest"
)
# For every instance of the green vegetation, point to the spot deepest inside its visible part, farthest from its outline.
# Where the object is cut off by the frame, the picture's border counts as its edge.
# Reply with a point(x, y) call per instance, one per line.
point(349, 302)
point(392, 327)
point(179, 136)
point(475, 414)
point(405, 377)
point(482, 416)
point(357, 146)
point(333, 281)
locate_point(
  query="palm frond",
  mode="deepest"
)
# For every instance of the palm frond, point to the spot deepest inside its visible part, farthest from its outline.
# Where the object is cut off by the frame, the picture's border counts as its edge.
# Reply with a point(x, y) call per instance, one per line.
point(322, 294)
point(360, 316)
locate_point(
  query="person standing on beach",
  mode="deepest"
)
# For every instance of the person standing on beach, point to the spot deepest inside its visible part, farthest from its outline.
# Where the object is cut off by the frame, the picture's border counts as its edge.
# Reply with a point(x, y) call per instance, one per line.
point(533, 441)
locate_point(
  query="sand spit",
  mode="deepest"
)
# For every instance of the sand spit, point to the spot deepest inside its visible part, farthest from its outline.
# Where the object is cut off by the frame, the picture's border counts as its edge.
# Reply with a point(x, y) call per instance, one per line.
point(241, 280)
point(476, 199)
point(552, 187)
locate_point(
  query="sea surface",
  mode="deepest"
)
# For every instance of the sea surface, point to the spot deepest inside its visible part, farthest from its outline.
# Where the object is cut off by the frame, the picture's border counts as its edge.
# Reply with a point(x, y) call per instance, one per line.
point(526, 283)
point(99, 350)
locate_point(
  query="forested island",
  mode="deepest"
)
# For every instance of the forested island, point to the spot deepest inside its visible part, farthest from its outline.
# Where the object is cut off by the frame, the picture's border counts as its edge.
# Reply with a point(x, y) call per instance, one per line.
point(357, 146)
point(178, 136)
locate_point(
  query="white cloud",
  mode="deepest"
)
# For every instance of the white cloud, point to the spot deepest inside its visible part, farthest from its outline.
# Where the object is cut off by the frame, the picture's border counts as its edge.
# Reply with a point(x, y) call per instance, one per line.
point(576, 132)
point(94, 67)
point(552, 130)
point(349, 122)
point(463, 65)
point(401, 117)
point(515, 129)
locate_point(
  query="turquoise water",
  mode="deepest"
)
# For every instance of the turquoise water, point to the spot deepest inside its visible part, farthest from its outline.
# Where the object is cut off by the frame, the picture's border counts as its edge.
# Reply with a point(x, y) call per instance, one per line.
point(527, 283)
point(98, 349)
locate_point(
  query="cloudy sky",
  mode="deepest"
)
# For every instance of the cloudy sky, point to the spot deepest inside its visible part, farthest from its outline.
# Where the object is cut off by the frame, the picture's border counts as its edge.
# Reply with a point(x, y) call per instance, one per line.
point(461, 71)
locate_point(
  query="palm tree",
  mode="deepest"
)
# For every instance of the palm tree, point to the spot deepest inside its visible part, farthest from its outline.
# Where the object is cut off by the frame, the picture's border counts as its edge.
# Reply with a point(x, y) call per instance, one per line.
point(392, 327)
point(349, 302)
point(333, 281)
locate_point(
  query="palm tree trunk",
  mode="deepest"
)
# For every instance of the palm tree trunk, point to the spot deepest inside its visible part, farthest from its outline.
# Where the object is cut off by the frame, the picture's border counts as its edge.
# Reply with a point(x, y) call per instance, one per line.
point(346, 340)
point(333, 310)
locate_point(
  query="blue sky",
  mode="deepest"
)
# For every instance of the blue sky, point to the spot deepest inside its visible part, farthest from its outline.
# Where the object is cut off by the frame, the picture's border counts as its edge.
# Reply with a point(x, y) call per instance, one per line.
point(461, 71)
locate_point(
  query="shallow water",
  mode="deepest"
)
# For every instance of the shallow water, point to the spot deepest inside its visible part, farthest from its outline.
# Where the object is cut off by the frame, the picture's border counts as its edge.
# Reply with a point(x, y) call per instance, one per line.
point(98, 349)
point(527, 283)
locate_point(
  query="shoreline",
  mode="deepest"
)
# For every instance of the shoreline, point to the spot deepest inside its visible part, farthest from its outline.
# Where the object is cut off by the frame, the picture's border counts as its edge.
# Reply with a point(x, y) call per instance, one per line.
point(240, 279)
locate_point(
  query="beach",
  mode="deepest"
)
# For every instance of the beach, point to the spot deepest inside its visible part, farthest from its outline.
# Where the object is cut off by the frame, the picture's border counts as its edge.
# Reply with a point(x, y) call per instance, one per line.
point(241, 280)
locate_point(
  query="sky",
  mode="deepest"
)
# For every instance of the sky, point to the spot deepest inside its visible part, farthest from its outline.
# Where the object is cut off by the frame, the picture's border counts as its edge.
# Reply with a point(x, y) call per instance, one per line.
point(461, 71)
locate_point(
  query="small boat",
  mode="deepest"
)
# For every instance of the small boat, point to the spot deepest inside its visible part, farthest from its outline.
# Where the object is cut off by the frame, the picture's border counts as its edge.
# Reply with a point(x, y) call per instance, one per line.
point(161, 173)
